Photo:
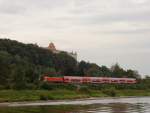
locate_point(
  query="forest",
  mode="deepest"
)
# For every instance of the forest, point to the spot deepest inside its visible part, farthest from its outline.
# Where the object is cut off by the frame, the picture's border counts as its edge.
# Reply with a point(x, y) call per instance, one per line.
point(22, 66)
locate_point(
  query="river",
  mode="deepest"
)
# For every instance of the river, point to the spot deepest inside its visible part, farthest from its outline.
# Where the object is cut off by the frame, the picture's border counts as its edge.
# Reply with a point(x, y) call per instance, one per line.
point(97, 105)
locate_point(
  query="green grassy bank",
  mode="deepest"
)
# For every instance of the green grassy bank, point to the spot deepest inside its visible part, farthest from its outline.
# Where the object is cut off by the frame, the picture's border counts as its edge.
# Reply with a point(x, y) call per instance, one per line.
point(35, 95)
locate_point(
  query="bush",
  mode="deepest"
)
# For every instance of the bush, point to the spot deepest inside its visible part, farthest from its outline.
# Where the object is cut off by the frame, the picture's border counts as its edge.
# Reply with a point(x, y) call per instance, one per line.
point(2, 87)
point(46, 86)
point(43, 97)
point(84, 89)
point(110, 92)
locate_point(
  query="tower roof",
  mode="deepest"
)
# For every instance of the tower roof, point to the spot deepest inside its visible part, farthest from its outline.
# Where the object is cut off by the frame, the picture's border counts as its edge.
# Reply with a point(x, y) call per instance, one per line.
point(52, 46)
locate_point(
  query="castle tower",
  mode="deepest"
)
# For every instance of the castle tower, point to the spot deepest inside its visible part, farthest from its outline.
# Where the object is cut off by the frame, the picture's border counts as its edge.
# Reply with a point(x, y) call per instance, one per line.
point(52, 47)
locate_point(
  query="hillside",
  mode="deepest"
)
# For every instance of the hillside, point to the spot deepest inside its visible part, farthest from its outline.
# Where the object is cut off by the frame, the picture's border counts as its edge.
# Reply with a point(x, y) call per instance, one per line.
point(22, 65)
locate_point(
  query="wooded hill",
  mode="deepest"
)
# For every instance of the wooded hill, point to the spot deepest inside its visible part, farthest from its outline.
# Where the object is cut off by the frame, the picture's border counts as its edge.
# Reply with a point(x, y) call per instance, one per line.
point(22, 65)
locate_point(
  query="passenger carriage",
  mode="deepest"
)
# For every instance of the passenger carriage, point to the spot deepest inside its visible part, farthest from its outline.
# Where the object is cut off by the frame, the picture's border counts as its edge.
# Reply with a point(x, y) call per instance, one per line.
point(91, 80)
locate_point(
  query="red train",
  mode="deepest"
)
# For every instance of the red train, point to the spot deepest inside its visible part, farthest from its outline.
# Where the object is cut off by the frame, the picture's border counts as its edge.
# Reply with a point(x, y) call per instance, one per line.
point(93, 80)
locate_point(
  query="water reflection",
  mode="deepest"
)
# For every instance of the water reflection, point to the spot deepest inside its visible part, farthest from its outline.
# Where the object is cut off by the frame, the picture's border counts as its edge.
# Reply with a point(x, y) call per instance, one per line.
point(116, 107)
point(96, 108)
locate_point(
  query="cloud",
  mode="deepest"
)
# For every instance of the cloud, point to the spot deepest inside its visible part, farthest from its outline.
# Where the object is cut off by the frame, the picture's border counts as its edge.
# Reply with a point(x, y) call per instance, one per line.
point(7, 7)
point(102, 31)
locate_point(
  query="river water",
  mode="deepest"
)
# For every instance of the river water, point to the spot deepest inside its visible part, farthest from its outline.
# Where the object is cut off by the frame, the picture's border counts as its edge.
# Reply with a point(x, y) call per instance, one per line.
point(99, 105)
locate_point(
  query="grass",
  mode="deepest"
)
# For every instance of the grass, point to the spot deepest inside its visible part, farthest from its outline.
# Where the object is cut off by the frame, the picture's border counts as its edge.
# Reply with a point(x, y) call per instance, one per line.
point(35, 95)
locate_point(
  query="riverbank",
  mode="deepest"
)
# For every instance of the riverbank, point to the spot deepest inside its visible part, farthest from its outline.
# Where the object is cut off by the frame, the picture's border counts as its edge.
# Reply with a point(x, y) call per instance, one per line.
point(94, 105)
point(81, 102)
point(37, 95)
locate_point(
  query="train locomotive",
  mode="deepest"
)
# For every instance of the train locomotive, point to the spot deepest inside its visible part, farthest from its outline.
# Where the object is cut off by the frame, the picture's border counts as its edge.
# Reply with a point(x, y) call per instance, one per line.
point(90, 80)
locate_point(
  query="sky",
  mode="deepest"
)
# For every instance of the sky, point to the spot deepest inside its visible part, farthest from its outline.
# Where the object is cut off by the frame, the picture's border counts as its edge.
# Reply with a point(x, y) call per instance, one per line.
point(100, 31)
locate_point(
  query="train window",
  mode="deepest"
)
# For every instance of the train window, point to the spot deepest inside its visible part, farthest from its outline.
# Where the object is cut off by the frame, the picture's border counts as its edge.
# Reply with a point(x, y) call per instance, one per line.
point(76, 80)
point(66, 79)
point(122, 80)
point(105, 80)
point(96, 80)
point(114, 81)
point(86, 79)
point(129, 81)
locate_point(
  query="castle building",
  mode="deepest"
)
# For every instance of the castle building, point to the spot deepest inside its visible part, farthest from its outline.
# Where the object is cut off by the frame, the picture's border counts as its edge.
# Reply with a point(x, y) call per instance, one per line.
point(54, 50)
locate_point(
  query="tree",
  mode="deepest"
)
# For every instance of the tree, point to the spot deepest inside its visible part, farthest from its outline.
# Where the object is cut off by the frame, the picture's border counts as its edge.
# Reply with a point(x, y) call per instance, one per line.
point(19, 78)
point(132, 74)
point(105, 71)
point(93, 71)
point(5, 61)
point(64, 63)
point(117, 71)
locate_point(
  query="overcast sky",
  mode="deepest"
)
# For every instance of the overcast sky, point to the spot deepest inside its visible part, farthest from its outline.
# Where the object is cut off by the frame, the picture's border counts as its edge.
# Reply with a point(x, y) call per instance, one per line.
point(101, 31)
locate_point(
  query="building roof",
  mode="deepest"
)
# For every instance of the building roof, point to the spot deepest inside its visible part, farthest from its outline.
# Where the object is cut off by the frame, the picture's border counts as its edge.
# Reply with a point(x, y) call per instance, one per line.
point(52, 47)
